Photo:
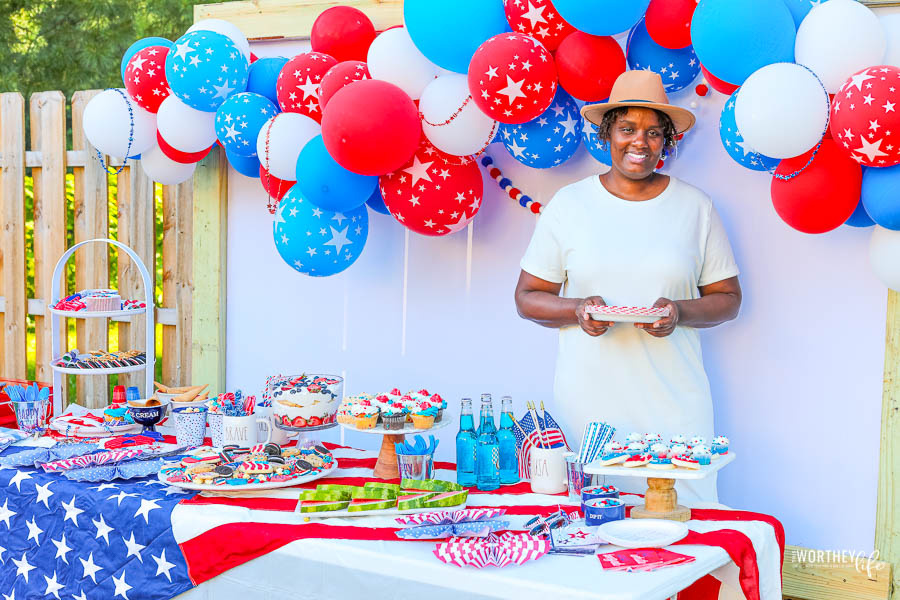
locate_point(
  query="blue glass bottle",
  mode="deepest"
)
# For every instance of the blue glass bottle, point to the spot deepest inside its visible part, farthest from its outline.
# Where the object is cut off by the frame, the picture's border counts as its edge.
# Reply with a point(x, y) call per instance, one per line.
point(466, 441)
point(487, 454)
point(509, 458)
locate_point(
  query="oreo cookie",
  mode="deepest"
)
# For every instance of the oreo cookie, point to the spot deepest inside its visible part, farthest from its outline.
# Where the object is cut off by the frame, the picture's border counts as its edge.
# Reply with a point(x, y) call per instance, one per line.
point(272, 449)
point(224, 470)
point(302, 464)
point(276, 460)
point(321, 449)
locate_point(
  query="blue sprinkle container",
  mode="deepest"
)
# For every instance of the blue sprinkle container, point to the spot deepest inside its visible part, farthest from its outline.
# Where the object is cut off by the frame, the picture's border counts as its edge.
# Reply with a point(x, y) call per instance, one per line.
point(602, 510)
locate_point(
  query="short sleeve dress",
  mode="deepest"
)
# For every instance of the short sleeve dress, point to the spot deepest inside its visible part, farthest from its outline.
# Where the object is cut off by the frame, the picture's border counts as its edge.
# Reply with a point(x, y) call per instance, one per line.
point(631, 253)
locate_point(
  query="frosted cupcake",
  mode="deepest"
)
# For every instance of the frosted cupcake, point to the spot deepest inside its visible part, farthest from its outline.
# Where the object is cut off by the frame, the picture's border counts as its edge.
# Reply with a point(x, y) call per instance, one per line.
point(364, 417)
point(423, 417)
point(678, 439)
point(701, 453)
point(720, 445)
point(652, 438)
point(394, 417)
point(440, 404)
point(698, 440)
point(634, 437)
point(635, 448)
point(678, 450)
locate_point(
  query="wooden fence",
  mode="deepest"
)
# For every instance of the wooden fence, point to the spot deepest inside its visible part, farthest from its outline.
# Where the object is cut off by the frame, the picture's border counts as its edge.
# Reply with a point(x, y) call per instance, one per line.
point(49, 159)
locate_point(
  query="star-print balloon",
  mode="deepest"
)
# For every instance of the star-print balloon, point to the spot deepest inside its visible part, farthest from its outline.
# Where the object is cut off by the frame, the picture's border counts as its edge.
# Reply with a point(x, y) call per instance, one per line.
point(204, 68)
point(539, 19)
point(432, 196)
point(677, 68)
point(734, 143)
point(239, 120)
point(597, 148)
point(298, 83)
point(549, 140)
point(145, 77)
point(865, 118)
point(318, 242)
point(512, 78)
point(340, 75)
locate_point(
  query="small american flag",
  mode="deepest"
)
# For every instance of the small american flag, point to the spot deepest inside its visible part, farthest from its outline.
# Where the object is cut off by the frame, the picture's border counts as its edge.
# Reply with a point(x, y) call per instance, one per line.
point(528, 437)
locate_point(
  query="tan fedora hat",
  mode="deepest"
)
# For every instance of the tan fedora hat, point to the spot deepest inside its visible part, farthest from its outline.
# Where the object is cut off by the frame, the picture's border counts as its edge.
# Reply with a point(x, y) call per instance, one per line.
point(642, 89)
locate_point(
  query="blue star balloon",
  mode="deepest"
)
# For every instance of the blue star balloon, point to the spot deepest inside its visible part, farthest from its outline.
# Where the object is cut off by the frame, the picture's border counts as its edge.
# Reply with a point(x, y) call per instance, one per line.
point(205, 68)
point(240, 119)
point(599, 150)
point(800, 8)
point(248, 166)
point(318, 242)
point(734, 143)
point(549, 140)
point(264, 75)
point(678, 68)
point(376, 202)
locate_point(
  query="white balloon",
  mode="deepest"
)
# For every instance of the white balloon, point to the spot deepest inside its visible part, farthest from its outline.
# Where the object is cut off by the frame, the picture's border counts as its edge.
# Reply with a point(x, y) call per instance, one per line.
point(884, 256)
point(185, 128)
point(891, 26)
point(838, 38)
point(107, 124)
point(469, 131)
point(227, 29)
point(287, 133)
point(394, 58)
point(782, 110)
point(162, 169)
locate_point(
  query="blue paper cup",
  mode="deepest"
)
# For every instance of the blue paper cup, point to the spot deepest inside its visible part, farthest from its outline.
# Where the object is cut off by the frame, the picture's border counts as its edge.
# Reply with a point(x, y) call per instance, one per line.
point(601, 510)
point(190, 425)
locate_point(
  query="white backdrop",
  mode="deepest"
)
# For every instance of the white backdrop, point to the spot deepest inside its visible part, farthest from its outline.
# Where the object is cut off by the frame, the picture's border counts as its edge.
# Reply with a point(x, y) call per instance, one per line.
point(796, 379)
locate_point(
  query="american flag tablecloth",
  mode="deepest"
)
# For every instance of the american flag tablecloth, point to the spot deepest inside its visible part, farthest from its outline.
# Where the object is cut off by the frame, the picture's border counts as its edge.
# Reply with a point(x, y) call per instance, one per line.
point(143, 539)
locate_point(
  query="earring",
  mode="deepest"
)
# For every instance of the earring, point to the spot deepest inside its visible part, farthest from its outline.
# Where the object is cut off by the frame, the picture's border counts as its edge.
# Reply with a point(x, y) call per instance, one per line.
point(665, 154)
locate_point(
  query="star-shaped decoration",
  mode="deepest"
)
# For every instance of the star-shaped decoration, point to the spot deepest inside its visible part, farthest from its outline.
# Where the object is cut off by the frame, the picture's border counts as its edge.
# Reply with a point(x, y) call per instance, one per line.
point(121, 496)
point(339, 217)
point(517, 150)
point(569, 125)
point(121, 586)
point(18, 478)
point(418, 170)
point(182, 50)
point(90, 568)
point(6, 513)
point(512, 90)
point(310, 88)
point(231, 132)
point(222, 91)
point(133, 547)
point(162, 565)
point(33, 530)
point(535, 15)
point(146, 507)
point(23, 567)
point(338, 239)
point(102, 529)
point(62, 549)
point(79, 596)
point(53, 586)
point(859, 79)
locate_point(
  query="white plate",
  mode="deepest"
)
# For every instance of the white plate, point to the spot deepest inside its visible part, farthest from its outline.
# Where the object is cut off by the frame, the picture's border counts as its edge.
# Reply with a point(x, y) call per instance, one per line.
point(97, 314)
point(627, 314)
point(407, 428)
point(642, 533)
point(247, 487)
point(703, 472)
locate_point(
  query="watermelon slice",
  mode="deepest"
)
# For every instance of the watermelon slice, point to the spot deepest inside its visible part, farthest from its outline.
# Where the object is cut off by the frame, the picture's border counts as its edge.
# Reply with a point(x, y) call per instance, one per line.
point(430, 485)
point(374, 493)
point(447, 499)
point(409, 500)
point(322, 505)
point(383, 485)
point(359, 504)
point(324, 495)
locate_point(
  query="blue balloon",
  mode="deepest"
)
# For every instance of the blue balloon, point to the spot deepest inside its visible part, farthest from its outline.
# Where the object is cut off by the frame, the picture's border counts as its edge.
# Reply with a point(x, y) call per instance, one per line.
point(734, 38)
point(263, 76)
point(601, 17)
point(800, 8)
point(879, 195)
point(549, 140)
point(240, 119)
point(734, 143)
point(318, 242)
point(140, 45)
point(860, 218)
point(205, 68)
point(677, 68)
point(327, 184)
point(448, 33)
point(247, 166)
point(597, 148)
point(376, 202)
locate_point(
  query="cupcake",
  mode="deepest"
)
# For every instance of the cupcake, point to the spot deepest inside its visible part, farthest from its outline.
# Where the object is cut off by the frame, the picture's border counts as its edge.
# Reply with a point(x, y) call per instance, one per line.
point(440, 404)
point(393, 417)
point(678, 450)
point(652, 438)
point(698, 440)
point(659, 448)
point(423, 418)
point(701, 453)
point(116, 415)
point(720, 445)
point(678, 439)
point(634, 437)
point(364, 417)
point(613, 453)
point(635, 448)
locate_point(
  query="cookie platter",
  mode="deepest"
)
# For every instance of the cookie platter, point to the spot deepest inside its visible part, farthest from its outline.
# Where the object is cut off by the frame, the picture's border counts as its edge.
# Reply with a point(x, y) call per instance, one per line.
point(247, 487)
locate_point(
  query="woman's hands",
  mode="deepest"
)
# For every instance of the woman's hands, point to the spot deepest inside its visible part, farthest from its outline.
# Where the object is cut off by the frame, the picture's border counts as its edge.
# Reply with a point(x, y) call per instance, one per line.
point(666, 325)
point(588, 324)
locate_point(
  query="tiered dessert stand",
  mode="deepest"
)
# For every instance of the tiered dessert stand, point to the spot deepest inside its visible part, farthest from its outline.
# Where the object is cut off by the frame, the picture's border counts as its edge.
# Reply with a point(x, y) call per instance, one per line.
point(56, 315)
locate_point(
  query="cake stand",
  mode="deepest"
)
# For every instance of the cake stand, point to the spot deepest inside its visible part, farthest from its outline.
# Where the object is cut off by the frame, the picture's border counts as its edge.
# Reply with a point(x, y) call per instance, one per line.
point(661, 499)
point(386, 465)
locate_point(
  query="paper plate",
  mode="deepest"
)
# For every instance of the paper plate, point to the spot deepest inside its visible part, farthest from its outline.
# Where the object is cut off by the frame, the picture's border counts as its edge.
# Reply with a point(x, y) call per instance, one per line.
point(642, 533)
point(627, 314)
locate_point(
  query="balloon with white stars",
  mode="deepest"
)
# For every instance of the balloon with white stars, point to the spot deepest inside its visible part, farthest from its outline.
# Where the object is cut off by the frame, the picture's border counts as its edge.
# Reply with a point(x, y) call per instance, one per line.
point(677, 68)
point(239, 120)
point(205, 68)
point(597, 147)
point(550, 139)
point(734, 143)
point(318, 242)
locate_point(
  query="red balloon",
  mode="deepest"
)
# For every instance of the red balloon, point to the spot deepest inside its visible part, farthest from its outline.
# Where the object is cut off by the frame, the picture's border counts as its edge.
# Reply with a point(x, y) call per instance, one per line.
point(588, 65)
point(512, 78)
point(178, 156)
point(720, 85)
point(275, 188)
point(539, 19)
point(864, 120)
point(372, 127)
point(145, 77)
point(340, 75)
point(297, 88)
point(669, 22)
point(823, 195)
point(431, 196)
point(343, 32)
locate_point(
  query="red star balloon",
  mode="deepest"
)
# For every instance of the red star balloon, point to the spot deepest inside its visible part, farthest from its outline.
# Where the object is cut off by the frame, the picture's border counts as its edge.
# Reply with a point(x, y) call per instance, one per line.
point(431, 196)
point(340, 75)
point(539, 19)
point(297, 88)
point(865, 118)
point(512, 78)
point(145, 77)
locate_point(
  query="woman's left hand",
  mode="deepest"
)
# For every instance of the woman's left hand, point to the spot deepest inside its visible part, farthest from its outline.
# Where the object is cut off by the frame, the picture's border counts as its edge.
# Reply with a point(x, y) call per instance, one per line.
point(666, 325)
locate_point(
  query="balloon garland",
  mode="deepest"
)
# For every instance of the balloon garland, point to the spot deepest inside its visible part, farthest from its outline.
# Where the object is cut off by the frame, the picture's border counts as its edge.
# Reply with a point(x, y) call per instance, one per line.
point(507, 186)
point(130, 134)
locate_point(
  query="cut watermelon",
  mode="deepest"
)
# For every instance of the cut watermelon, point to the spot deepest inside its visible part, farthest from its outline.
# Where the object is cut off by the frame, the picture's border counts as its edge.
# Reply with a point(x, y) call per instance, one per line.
point(447, 499)
point(374, 493)
point(359, 504)
point(383, 485)
point(407, 501)
point(324, 495)
point(430, 485)
point(322, 505)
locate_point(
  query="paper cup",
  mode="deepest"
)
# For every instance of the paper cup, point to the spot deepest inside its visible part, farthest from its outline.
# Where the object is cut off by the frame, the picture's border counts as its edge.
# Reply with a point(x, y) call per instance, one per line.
point(190, 427)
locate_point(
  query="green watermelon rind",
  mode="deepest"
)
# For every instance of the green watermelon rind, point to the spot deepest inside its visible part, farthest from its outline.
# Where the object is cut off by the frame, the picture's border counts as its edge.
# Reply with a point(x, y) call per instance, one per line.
point(374, 493)
point(430, 485)
point(317, 494)
point(383, 505)
point(382, 485)
point(447, 499)
point(412, 501)
point(325, 507)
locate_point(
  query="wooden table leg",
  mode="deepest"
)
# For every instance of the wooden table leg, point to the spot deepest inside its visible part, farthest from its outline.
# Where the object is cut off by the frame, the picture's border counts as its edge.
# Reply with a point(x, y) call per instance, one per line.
point(661, 502)
point(386, 466)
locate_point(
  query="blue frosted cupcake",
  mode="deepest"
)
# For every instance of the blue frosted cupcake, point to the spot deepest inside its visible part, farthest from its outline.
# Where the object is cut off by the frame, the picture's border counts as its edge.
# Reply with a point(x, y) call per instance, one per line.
point(720, 446)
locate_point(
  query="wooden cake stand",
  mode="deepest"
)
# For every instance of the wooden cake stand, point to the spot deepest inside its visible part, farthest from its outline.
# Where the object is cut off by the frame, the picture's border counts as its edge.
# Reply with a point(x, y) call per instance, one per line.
point(386, 465)
point(661, 499)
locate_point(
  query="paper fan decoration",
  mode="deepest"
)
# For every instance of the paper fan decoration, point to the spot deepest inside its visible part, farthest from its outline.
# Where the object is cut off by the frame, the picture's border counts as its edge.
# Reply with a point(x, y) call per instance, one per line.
point(298, 83)
point(499, 551)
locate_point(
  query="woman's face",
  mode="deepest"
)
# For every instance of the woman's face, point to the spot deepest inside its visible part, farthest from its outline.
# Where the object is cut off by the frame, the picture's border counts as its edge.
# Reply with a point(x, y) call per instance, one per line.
point(636, 142)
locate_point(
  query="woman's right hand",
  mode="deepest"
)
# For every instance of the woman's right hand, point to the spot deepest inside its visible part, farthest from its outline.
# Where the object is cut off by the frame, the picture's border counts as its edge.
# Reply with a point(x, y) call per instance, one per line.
point(588, 324)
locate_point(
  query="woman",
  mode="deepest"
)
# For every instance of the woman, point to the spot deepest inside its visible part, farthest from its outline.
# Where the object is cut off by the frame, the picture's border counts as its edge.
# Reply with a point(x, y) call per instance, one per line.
point(632, 237)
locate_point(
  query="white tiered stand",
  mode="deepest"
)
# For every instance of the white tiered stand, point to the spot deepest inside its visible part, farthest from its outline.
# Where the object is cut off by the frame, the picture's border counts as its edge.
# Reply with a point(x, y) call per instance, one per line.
point(55, 315)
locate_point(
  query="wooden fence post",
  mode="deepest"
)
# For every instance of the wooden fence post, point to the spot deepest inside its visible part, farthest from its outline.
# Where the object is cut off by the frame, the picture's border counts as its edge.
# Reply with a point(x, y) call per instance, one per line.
point(887, 512)
point(178, 288)
point(92, 261)
point(48, 136)
point(12, 241)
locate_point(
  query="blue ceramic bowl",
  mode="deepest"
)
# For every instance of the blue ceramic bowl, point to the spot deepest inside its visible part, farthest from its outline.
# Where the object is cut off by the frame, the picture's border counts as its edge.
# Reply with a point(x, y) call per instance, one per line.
point(148, 416)
point(600, 510)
